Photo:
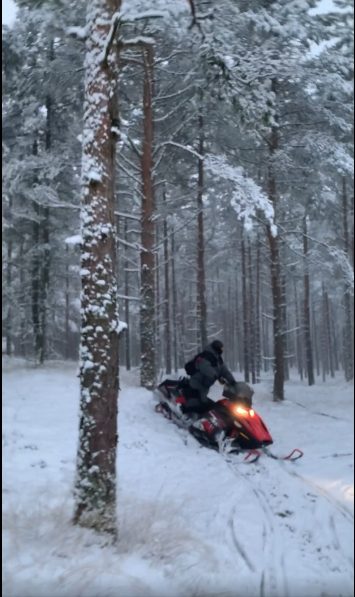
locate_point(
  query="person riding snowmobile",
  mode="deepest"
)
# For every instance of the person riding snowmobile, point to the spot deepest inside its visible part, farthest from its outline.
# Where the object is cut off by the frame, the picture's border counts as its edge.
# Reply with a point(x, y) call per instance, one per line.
point(206, 367)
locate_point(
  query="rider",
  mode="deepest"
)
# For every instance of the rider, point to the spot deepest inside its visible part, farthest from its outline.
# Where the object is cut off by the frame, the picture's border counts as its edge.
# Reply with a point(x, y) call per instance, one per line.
point(209, 367)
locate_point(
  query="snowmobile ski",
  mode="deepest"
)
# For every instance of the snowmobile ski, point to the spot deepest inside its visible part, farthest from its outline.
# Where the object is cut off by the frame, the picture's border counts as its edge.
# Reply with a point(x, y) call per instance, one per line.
point(295, 454)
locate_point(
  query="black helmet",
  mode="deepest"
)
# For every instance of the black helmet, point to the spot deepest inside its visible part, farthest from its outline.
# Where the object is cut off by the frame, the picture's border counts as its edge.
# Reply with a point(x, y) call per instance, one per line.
point(217, 345)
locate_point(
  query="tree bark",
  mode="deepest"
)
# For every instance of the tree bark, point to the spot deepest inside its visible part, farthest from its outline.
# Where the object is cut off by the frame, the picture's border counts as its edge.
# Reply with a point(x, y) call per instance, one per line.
point(275, 270)
point(167, 296)
point(67, 304)
point(257, 316)
point(201, 277)
point(298, 335)
point(36, 274)
point(251, 327)
point(95, 487)
point(348, 328)
point(174, 302)
point(329, 334)
point(126, 302)
point(245, 313)
point(8, 320)
point(306, 307)
point(147, 255)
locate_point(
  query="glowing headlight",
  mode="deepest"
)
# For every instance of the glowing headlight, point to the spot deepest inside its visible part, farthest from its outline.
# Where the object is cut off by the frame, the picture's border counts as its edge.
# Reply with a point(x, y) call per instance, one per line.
point(239, 410)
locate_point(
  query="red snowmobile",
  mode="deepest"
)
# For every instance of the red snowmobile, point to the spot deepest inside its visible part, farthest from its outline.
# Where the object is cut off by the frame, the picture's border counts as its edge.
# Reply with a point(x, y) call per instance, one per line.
point(230, 424)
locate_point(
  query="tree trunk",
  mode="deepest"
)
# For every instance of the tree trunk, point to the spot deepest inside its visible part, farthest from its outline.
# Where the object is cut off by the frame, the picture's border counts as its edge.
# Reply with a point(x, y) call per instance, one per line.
point(315, 341)
point(298, 335)
point(285, 326)
point(306, 307)
point(278, 389)
point(126, 301)
point(329, 334)
point(36, 274)
point(238, 332)
point(324, 338)
point(147, 257)
point(45, 273)
point(251, 315)
point(167, 297)
point(279, 377)
point(201, 279)
point(174, 303)
point(8, 320)
point(67, 304)
point(245, 313)
point(348, 333)
point(257, 316)
point(95, 489)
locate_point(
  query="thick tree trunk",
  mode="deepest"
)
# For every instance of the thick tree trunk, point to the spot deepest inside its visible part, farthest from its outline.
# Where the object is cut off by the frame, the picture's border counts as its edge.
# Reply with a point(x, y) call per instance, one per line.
point(95, 488)
point(147, 256)
point(201, 278)
point(306, 307)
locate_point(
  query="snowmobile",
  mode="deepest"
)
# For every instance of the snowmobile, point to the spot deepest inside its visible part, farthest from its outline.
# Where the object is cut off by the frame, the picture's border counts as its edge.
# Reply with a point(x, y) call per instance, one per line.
point(230, 424)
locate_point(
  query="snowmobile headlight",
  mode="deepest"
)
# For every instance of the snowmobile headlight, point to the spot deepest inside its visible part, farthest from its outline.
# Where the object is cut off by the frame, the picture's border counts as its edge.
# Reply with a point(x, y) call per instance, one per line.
point(239, 410)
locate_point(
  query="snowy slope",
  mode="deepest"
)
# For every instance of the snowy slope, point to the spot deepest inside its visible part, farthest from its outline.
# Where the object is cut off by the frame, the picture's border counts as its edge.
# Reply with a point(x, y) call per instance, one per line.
point(191, 524)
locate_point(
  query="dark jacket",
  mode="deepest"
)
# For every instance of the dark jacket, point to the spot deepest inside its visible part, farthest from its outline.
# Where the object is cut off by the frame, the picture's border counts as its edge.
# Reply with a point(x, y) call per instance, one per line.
point(210, 367)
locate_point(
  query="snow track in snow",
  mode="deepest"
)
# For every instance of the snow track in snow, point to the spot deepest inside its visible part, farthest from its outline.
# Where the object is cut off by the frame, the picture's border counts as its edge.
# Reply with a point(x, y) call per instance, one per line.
point(295, 519)
point(192, 522)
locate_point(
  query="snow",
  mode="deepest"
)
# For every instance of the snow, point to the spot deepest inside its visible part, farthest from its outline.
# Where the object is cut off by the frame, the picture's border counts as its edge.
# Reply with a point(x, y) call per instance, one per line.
point(74, 240)
point(190, 523)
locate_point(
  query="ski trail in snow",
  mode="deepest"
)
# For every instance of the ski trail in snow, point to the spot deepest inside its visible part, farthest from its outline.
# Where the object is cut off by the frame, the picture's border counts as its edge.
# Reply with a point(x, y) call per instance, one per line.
point(322, 492)
point(270, 573)
point(239, 548)
point(321, 414)
point(322, 538)
point(297, 524)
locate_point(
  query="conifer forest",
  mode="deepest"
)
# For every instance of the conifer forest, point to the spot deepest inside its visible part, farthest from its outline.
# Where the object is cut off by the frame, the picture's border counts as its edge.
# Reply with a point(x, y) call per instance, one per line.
point(228, 192)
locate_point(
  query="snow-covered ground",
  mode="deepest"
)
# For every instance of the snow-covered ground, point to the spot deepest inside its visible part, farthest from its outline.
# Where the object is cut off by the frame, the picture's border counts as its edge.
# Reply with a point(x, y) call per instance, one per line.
point(190, 523)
